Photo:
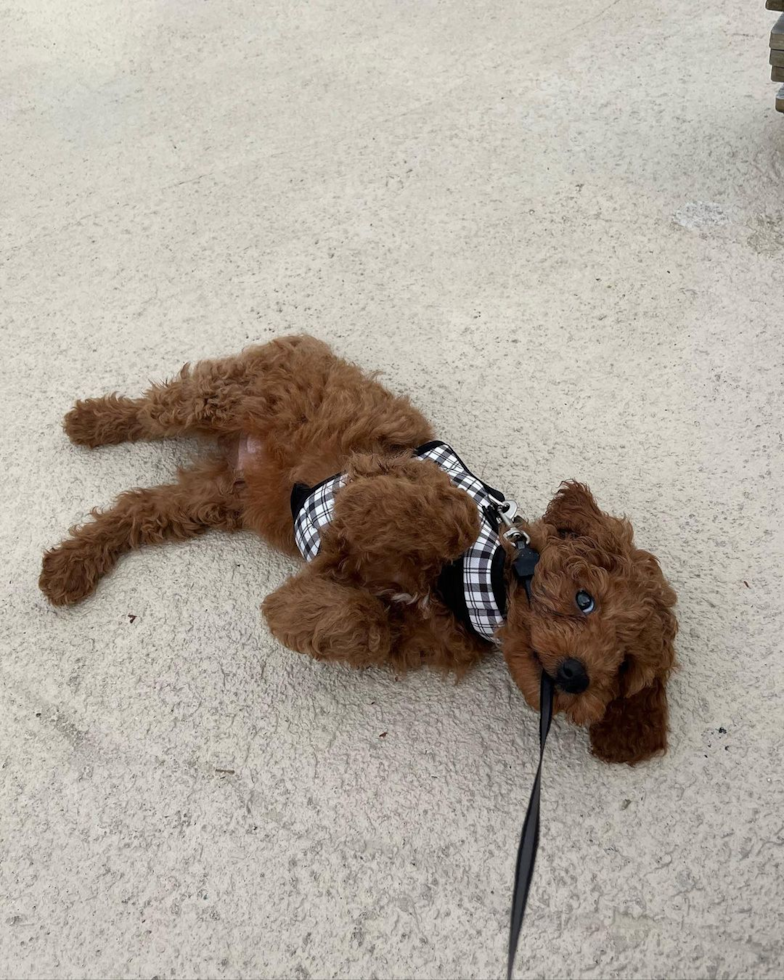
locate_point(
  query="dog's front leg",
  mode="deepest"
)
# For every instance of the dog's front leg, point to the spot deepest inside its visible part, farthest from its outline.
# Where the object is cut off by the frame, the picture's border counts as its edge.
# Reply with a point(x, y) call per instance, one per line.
point(312, 613)
point(397, 523)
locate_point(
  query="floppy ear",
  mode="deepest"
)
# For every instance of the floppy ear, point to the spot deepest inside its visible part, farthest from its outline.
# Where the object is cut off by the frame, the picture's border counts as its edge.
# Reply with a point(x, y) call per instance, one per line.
point(574, 511)
point(634, 726)
point(633, 729)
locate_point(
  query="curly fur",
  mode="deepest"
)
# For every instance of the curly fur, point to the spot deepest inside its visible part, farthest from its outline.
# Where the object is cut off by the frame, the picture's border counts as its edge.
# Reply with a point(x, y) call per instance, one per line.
point(368, 597)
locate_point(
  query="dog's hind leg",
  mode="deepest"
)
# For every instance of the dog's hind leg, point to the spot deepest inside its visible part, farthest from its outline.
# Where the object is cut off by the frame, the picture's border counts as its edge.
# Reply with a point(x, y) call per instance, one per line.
point(204, 497)
point(205, 398)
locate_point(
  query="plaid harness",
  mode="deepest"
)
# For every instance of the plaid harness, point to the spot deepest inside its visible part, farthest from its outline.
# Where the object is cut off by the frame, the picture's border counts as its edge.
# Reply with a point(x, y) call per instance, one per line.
point(473, 585)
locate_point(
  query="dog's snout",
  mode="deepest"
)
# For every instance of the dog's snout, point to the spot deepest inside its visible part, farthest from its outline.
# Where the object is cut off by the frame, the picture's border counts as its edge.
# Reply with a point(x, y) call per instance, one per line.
point(572, 676)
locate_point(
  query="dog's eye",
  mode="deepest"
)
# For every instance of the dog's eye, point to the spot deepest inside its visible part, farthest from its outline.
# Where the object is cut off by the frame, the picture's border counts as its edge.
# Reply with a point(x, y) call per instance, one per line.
point(584, 602)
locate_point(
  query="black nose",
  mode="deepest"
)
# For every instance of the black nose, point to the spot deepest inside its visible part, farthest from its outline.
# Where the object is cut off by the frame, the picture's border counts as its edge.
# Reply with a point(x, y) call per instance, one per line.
point(572, 676)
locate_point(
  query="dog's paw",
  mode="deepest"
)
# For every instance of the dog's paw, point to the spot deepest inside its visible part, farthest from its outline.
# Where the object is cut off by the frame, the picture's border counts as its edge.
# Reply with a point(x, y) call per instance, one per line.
point(67, 576)
point(102, 421)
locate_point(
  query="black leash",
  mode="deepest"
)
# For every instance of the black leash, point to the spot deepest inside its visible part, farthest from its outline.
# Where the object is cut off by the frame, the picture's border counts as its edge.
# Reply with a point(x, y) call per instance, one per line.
point(523, 566)
point(529, 839)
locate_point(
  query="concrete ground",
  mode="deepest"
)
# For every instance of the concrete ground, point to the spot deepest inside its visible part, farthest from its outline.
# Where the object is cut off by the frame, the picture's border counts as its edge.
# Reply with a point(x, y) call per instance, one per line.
point(559, 227)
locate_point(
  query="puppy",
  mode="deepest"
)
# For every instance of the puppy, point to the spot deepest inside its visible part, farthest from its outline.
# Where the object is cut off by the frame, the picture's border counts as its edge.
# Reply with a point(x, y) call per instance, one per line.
point(406, 564)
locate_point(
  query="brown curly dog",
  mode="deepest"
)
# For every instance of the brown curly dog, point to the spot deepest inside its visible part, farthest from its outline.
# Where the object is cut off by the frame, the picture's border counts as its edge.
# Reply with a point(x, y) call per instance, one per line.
point(289, 416)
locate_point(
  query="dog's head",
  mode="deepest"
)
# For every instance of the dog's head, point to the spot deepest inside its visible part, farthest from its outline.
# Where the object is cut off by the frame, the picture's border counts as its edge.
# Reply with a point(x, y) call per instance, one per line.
point(600, 623)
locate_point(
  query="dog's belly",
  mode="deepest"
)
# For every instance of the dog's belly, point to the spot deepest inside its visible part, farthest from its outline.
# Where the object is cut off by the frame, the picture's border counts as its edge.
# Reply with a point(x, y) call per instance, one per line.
point(249, 450)
point(244, 453)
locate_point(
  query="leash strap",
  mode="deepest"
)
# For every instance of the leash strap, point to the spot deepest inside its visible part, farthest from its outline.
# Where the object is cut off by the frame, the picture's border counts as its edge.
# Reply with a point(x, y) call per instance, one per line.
point(524, 566)
point(529, 839)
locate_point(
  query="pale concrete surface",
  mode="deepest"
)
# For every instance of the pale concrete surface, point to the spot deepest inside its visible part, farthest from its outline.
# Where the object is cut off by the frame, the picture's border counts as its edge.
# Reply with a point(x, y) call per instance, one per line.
point(559, 227)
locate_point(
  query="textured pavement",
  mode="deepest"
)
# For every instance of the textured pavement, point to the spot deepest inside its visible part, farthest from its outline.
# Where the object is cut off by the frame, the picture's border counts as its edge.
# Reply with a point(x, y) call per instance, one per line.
point(559, 228)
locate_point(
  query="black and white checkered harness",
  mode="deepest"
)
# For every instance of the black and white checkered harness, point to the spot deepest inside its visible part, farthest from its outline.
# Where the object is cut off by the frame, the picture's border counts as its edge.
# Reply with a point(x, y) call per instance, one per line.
point(481, 601)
